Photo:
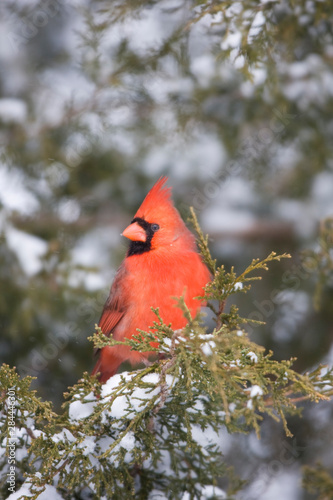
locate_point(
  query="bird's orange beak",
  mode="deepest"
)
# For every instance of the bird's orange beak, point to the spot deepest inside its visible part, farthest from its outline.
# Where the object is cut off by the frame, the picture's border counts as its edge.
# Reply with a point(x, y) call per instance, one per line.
point(135, 232)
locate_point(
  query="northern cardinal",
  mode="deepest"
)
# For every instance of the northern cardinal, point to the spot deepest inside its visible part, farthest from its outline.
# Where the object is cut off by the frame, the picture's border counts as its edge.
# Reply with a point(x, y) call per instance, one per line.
point(161, 263)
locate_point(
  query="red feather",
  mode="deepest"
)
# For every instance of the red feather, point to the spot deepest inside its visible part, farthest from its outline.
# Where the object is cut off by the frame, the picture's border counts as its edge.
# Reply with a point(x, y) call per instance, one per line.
point(170, 268)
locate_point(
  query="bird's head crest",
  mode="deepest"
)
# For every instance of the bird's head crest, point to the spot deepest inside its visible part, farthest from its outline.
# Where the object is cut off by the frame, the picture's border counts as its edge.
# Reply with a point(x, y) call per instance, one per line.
point(157, 202)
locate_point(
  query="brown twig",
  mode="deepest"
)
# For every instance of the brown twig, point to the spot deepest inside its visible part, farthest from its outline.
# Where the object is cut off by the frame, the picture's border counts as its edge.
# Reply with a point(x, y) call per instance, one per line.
point(164, 387)
point(219, 312)
point(30, 433)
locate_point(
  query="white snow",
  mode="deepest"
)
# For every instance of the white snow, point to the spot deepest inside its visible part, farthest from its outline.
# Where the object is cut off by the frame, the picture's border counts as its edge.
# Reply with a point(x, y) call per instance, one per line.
point(157, 495)
point(203, 149)
point(79, 410)
point(210, 491)
point(238, 286)
point(14, 193)
point(56, 174)
point(144, 32)
point(166, 85)
point(301, 215)
point(256, 27)
point(69, 210)
point(64, 435)
point(322, 192)
point(208, 348)
point(284, 485)
point(94, 247)
point(253, 357)
point(231, 40)
point(88, 445)
point(234, 9)
point(234, 364)
point(126, 404)
point(93, 250)
point(205, 437)
point(114, 382)
point(198, 406)
point(120, 116)
point(249, 404)
point(256, 390)
point(50, 493)
point(227, 220)
point(59, 89)
point(298, 69)
point(238, 59)
point(207, 492)
point(13, 110)
point(259, 74)
point(127, 442)
point(29, 249)
point(293, 305)
point(203, 67)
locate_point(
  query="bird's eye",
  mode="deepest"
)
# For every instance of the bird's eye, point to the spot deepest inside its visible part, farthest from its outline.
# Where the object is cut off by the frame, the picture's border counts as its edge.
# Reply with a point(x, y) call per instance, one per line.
point(155, 227)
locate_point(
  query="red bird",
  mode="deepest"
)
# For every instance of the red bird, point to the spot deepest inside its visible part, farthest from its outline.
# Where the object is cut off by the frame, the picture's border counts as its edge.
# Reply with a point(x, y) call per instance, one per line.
point(161, 263)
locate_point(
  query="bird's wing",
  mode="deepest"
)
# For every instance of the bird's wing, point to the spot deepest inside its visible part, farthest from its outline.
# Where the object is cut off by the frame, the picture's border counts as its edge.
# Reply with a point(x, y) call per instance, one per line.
point(115, 306)
point(111, 316)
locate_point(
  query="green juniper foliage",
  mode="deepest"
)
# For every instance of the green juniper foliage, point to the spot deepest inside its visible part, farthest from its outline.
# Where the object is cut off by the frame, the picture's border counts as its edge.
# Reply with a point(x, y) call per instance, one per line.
point(318, 480)
point(320, 260)
point(158, 430)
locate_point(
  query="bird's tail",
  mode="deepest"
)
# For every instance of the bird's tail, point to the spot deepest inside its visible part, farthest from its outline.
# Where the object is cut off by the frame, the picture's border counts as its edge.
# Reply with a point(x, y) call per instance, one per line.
point(105, 371)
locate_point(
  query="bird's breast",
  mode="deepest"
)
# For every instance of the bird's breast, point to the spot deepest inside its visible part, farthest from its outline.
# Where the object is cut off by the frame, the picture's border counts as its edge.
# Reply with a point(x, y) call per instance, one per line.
point(156, 280)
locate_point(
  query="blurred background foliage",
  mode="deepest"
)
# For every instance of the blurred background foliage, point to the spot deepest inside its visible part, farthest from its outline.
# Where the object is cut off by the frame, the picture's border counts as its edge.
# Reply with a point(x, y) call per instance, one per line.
point(234, 102)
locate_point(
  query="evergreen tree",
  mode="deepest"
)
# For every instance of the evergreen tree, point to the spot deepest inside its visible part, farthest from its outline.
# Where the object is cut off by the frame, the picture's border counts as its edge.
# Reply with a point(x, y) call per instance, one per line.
point(231, 100)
